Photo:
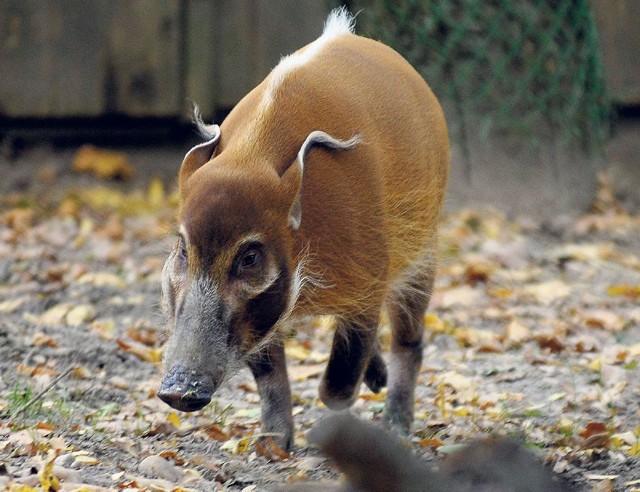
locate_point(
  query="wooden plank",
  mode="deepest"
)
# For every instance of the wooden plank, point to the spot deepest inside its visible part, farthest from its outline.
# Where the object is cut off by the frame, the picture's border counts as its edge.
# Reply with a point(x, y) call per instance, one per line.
point(143, 58)
point(618, 23)
point(202, 52)
point(47, 57)
point(233, 44)
point(62, 58)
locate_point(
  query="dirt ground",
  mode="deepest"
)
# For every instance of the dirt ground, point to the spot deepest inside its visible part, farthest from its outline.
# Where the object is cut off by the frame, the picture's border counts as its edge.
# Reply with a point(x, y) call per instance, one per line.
point(533, 332)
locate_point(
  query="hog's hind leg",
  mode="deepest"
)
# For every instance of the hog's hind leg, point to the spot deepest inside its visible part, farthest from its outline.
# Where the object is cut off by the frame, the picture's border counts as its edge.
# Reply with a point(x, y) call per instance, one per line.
point(354, 353)
point(406, 306)
point(270, 372)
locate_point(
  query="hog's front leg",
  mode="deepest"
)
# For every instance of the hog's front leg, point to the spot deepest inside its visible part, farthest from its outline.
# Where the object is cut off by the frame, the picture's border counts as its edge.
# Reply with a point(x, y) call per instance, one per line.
point(270, 372)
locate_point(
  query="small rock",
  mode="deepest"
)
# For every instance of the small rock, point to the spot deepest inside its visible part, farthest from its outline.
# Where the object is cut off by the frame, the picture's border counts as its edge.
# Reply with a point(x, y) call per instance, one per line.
point(157, 467)
point(310, 463)
point(66, 474)
point(65, 460)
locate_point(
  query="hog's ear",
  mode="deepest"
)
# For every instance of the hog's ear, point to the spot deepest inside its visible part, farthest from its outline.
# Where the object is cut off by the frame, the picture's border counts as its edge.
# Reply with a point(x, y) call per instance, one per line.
point(200, 154)
point(295, 171)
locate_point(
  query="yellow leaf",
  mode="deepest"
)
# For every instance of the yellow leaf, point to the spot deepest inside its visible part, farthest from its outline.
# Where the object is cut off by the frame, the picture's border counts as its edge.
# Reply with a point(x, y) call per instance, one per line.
point(441, 400)
point(80, 314)
point(155, 193)
point(374, 396)
point(595, 365)
point(174, 419)
point(88, 460)
point(47, 479)
point(297, 351)
point(461, 411)
point(434, 324)
point(632, 291)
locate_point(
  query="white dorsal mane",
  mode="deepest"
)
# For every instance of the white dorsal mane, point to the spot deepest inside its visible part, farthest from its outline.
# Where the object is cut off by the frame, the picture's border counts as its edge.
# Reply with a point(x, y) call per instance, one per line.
point(339, 22)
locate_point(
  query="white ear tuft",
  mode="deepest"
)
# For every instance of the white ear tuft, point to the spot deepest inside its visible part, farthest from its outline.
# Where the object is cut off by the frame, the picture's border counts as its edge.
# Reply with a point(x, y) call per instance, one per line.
point(322, 138)
point(208, 132)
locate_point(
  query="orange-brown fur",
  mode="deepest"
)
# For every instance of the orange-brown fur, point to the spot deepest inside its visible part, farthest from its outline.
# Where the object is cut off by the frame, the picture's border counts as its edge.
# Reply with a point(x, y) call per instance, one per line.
point(369, 213)
point(329, 175)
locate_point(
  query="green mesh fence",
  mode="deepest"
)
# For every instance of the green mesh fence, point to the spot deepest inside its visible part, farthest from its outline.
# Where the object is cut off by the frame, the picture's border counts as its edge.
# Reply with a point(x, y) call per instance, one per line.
point(527, 69)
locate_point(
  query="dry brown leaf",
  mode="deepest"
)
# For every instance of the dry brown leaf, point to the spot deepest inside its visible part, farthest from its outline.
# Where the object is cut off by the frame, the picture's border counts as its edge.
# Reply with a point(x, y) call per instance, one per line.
point(477, 273)
point(431, 443)
point(593, 428)
point(604, 319)
point(143, 334)
point(41, 340)
point(300, 372)
point(105, 164)
point(550, 342)
point(19, 219)
point(141, 351)
point(267, 447)
point(215, 432)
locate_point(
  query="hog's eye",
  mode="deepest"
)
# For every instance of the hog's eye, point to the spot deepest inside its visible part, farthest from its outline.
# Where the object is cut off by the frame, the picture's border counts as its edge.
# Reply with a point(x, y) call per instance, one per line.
point(247, 260)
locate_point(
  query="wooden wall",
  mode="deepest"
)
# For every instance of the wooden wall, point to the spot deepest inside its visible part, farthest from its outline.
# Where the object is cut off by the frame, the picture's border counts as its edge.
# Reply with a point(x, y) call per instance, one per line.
point(87, 58)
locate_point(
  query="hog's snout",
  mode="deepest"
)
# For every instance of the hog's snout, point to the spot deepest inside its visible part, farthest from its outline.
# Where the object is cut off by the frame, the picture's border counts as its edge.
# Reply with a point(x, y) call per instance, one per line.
point(185, 390)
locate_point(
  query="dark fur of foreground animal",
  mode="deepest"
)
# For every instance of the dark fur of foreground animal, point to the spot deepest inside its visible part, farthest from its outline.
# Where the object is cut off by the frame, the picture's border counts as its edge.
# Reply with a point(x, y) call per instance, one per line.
point(375, 461)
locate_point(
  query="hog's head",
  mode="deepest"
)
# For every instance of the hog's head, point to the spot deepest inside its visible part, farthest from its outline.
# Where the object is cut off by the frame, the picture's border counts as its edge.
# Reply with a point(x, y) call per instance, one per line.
point(230, 276)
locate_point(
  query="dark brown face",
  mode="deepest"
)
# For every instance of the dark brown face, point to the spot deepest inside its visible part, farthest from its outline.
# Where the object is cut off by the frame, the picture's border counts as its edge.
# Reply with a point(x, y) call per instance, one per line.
point(225, 285)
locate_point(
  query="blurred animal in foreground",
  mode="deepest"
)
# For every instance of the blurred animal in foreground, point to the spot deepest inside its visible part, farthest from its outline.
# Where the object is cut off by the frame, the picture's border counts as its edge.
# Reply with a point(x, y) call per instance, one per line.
point(373, 460)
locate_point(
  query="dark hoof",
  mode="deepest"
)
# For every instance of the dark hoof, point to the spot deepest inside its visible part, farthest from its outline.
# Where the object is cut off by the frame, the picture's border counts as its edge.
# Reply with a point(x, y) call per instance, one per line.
point(337, 397)
point(184, 391)
point(376, 375)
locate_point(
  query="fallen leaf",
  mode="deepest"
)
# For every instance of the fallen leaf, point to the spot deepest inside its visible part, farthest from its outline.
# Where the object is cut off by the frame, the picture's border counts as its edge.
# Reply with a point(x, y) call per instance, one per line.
point(604, 319)
point(141, 351)
point(626, 290)
point(464, 296)
point(105, 164)
point(547, 292)
point(516, 332)
point(301, 372)
point(267, 447)
point(431, 443)
point(215, 432)
point(47, 479)
point(550, 342)
point(80, 314)
point(102, 279)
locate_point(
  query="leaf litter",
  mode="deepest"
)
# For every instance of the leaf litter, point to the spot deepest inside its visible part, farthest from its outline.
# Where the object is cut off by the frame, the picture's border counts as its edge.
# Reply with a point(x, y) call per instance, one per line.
point(533, 332)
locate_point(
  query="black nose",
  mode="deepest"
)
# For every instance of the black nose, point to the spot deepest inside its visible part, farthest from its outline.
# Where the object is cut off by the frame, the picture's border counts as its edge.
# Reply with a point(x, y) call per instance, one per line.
point(185, 401)
point(184, 390)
